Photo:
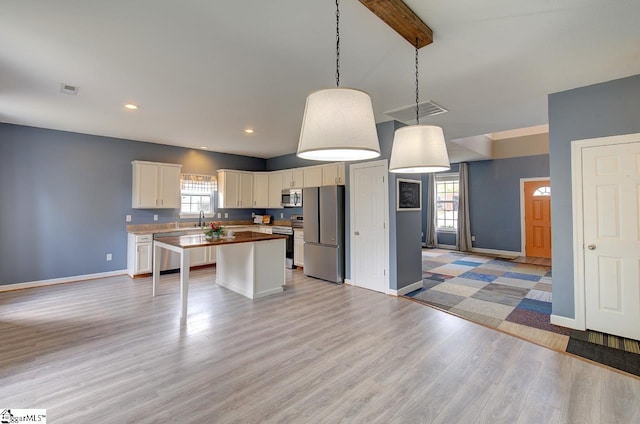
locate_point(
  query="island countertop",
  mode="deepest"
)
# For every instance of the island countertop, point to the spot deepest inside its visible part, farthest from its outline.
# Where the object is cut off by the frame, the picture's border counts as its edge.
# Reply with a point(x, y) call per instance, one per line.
point(199, 240)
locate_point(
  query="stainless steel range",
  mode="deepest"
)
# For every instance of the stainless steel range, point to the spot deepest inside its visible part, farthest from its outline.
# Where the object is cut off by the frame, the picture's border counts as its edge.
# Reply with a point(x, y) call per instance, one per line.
point(296, 222)
point(287, 231)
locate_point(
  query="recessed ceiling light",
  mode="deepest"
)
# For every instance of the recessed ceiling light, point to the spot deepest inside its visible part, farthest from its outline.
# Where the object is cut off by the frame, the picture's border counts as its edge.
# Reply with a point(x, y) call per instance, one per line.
point(249, 131)
point(204, 147)
point(131, 106)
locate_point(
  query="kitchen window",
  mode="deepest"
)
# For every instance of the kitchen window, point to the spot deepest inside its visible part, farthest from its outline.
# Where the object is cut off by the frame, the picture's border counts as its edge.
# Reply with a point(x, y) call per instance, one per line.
point(447, 202)
point(197, 193)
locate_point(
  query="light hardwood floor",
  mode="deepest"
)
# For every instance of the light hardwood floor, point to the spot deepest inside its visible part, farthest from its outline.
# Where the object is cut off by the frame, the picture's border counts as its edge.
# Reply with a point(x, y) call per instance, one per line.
point(106, 351)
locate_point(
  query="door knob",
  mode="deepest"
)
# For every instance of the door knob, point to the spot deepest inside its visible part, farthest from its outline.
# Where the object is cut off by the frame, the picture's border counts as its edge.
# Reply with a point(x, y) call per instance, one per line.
point(356, 233)
point(591, 247)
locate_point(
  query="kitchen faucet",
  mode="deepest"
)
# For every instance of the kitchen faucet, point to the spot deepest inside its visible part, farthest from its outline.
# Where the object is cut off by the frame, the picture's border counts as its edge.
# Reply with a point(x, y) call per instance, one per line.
point(201, 222)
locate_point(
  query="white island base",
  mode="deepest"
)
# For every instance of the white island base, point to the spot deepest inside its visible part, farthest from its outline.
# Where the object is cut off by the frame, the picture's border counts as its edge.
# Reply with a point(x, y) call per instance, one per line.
point(252, 269)
point(251, 264)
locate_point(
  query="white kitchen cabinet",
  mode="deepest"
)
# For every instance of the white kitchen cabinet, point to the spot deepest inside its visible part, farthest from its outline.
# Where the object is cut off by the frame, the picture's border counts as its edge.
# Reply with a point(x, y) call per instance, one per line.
point(312, 176)
point(275, 190)
point(202, 256)
point(155, 185)
point(333, 174)
point(139, 254)
point(298, 247)
point(235, 189)
point(293, 178)
point(261, 190)
point(265, 229)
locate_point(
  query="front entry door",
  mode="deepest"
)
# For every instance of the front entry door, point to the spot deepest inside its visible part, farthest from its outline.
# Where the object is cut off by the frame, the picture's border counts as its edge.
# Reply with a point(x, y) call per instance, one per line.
point(537, 218)
point(368, 225)
point(611, 186)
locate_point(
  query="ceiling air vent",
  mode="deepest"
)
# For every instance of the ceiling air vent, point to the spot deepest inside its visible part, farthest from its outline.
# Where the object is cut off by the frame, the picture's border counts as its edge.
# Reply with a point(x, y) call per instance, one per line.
point(69, 89)
point(407, 114)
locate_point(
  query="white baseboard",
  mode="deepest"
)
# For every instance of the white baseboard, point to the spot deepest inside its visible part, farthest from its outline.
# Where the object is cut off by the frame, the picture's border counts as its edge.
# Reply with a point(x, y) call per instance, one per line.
point(406, 289)
point(447, 246)
point(40, 283)
point(348, 282)
point(565, 322)
point(496, 252)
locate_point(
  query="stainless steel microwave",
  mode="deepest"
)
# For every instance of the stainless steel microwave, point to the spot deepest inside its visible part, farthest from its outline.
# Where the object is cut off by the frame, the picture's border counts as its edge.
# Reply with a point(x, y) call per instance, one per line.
point(291, 198)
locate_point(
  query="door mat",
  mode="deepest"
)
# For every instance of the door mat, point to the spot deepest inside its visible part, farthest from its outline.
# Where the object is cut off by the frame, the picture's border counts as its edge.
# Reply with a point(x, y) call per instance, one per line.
point(616, 352)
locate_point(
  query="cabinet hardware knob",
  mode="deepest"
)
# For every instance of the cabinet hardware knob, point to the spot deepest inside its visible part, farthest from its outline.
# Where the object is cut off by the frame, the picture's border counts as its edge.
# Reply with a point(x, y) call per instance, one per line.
point(356, 233)
point(591, 247)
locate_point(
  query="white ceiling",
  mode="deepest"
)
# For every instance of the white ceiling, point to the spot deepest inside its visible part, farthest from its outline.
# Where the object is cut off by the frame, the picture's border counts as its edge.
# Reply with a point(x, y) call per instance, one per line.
point(204, 70)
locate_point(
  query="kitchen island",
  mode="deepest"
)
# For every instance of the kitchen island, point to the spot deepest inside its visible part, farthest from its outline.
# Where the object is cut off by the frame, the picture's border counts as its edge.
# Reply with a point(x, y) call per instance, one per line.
point(249, 263)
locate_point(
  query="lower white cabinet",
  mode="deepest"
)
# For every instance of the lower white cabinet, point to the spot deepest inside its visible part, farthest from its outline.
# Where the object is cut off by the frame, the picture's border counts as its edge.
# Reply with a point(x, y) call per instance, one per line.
point(202, 256)
point(298, 248)
point(265, 230)
point(139, 254)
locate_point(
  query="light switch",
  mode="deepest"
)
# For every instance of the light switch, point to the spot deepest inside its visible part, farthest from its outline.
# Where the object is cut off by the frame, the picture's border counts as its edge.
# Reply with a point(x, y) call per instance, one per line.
point(109, 257)
point(127, 218)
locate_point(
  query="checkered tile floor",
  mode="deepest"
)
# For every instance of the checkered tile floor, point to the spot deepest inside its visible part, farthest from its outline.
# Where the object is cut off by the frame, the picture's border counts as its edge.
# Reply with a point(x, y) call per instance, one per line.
point(487, 290)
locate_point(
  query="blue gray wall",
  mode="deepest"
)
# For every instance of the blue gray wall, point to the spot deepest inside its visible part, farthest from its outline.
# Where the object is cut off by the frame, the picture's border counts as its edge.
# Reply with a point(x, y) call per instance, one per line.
point(64, 197)
point(494, 200)
point(405, 260)
point(609, 108)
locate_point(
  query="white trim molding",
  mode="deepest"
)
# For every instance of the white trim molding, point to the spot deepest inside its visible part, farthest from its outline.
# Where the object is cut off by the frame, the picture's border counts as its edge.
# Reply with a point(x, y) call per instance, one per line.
point(447, 246)
point(496, 252)
point(72, 279)
point(523, 229)
point(407, 289)
point(565, 322)
point(577, 146)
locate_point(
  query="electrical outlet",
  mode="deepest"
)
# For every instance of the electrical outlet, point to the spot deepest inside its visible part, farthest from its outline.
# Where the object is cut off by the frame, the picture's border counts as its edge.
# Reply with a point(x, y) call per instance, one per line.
point(226, 215)
point(155, 217)
point(253, 214)
point(473, 238)
point(127, 218)
point(281, 215)
point(109, 256)
point(219, 215)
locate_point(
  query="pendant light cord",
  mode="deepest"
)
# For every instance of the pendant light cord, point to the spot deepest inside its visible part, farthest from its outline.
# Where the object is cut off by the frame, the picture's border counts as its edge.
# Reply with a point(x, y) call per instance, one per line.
point(337, 43)
point(417, 89)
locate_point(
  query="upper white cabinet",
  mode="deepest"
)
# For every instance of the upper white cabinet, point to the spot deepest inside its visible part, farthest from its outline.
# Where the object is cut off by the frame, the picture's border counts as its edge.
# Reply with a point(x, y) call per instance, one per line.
point(263, 190)
point(275, 190)
point(293, 178)
point(155, 185)
point(235, 189)
point(313, 176)
point(333, 174)
point(260, 189)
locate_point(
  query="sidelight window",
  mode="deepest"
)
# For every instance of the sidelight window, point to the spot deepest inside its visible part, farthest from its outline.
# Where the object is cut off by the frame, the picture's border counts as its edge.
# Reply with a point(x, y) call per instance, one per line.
point(447, 201)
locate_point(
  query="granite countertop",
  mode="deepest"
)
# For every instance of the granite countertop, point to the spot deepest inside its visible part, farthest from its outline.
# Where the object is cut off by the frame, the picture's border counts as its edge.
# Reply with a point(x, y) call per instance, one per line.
point(199, 240)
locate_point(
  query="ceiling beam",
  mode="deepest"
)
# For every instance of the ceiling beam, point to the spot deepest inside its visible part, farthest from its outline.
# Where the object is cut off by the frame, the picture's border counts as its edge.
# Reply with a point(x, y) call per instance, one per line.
point(402, 19)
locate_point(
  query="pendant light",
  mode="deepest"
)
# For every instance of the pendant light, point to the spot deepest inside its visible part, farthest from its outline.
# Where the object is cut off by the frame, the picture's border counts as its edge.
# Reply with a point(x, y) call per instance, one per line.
point(419, 148)
point(338, 123)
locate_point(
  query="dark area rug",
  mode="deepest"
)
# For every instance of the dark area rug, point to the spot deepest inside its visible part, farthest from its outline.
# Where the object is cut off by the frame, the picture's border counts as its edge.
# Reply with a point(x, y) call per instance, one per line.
point(616, 352)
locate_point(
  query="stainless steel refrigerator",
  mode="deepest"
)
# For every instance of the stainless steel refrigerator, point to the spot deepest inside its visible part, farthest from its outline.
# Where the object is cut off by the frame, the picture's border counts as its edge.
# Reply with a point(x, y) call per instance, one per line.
point(323, 212)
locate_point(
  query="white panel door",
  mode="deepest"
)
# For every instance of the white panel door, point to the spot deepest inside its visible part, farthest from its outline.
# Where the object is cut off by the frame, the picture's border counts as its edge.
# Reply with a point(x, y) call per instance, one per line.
point(368, 233)
point(611, 187)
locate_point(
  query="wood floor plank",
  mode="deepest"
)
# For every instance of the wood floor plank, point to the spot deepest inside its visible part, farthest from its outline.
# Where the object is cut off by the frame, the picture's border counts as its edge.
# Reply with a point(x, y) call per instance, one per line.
point(107, 351)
